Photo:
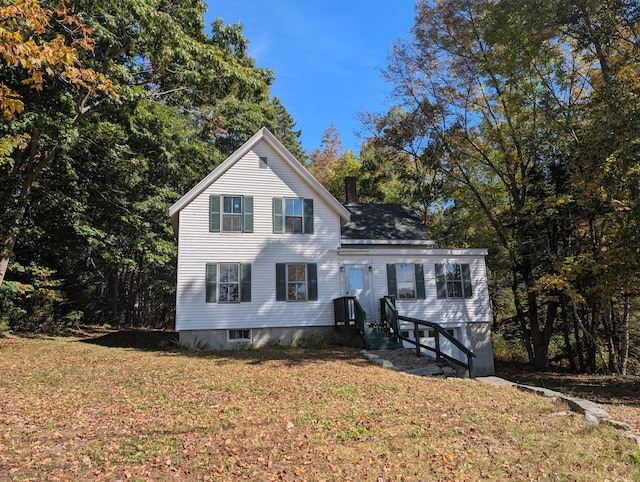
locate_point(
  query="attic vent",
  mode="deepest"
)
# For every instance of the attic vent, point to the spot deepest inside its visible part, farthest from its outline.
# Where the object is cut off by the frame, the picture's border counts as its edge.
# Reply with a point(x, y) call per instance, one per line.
point(263, 163)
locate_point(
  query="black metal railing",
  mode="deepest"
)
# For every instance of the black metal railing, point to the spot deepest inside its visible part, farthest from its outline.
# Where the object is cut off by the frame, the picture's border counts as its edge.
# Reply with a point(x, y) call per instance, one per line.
point(392, 318)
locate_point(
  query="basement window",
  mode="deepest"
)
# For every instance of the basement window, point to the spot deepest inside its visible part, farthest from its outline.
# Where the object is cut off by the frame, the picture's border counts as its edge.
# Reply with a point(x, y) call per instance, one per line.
point(239, 335)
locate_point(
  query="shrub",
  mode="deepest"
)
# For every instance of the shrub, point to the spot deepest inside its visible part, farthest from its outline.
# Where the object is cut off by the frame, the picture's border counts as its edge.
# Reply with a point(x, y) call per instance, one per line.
point(32, 302)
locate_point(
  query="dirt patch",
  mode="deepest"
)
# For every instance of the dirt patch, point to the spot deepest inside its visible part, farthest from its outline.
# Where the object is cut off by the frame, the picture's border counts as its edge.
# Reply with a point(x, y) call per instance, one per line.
point(404, 358)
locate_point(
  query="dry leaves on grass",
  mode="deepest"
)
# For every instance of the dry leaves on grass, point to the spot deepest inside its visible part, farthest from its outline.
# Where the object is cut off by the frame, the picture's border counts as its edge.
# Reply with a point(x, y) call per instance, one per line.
point(74, 410)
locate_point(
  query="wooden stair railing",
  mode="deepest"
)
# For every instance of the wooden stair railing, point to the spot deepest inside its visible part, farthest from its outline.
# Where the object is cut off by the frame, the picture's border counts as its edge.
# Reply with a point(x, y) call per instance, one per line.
point(351, 317)
point(392, 318)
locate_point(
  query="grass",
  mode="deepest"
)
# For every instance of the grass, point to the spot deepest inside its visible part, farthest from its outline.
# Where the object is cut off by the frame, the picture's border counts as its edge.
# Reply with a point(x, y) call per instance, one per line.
point(116, 407)
point(619, 395)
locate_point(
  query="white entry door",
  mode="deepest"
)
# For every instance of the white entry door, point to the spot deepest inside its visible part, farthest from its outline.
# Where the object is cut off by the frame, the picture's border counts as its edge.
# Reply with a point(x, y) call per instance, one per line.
point(357, 284)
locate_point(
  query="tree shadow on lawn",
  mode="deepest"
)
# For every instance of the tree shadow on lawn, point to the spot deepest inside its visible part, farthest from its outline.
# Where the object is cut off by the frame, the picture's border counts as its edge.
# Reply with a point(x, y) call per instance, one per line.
point(608, 389)
point(167, 342)
point(137, 339)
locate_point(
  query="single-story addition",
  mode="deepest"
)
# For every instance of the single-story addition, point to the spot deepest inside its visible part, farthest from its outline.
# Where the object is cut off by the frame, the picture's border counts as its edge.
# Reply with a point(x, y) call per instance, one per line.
point(264, 250)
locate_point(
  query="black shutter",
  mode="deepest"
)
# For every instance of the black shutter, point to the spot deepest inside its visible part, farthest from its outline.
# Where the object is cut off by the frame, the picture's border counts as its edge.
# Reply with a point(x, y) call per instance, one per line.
point(392, 285)
point(211, 281)
point(441, 281)
point(278, 221)
point(312, 281)
point(281, 282)
point(420, 288)
point(214, 214)
point(466, 281)
point(245, 282)
point(308, 216)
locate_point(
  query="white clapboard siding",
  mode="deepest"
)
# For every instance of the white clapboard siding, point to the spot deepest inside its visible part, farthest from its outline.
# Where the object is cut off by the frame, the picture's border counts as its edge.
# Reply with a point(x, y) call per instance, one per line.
point(449, 312)
point(262, 248)
point(242, 175)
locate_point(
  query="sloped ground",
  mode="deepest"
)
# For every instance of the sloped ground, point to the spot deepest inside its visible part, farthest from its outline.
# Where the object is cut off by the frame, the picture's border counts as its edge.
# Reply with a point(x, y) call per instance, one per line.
point(618, 395)
point(108, 410)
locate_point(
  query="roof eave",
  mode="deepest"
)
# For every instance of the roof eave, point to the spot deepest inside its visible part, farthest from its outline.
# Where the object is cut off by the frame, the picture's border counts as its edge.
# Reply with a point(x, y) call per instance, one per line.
point(393, 242)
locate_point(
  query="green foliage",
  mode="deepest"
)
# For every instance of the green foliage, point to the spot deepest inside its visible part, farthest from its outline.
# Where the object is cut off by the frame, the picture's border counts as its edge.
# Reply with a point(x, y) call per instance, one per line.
point(508, 348)
point(96, 212)
point(314, 341)
point(517, 130)
point(33, 303)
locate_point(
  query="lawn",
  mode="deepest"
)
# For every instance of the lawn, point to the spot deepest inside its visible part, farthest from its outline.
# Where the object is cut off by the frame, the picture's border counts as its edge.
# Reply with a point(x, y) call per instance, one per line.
point(103, 409)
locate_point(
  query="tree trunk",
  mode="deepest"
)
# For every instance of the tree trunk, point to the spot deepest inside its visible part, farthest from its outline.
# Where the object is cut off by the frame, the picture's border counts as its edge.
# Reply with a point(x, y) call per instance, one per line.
point(31, 170)
point(115, 297)
point(579, 350)
point(10, 241)
point(524, 330)
point(540, 337)
point(566, 332)
point(611, 331)
point(5, 256)
point(624, 335)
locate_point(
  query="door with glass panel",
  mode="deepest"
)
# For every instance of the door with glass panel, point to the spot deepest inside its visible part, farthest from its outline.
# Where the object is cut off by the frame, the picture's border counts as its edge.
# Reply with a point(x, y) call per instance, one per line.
point(356, 283)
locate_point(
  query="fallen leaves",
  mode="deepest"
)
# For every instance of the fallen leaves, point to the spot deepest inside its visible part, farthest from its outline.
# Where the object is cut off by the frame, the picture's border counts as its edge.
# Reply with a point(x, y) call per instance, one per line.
point(79, 411)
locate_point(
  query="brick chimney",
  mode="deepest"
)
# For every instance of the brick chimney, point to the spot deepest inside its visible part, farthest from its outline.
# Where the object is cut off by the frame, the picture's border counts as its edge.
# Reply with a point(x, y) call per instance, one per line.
point(351, 190)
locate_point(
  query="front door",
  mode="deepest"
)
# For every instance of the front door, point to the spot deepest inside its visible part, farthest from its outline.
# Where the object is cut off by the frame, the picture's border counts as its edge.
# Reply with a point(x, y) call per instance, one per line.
point(357, 284)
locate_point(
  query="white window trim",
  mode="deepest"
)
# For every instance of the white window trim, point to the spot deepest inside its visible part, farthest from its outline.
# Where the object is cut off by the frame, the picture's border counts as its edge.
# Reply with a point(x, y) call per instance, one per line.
point(239, 340)
point(306, 282)
point(220, 282)
point(239, 215)
point(414, 282)
point(285, 216)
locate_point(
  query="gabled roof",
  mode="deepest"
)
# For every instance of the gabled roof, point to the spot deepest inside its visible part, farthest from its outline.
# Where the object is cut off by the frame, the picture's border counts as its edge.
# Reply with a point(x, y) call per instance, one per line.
point(384, 224)
point(263, 135)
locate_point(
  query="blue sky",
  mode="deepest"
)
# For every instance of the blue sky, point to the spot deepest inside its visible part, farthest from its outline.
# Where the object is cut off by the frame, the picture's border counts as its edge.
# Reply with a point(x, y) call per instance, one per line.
point(327, 56)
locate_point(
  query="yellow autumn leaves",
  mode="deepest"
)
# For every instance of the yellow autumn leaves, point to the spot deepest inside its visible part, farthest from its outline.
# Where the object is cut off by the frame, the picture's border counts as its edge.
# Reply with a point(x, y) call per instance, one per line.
point(26, 29)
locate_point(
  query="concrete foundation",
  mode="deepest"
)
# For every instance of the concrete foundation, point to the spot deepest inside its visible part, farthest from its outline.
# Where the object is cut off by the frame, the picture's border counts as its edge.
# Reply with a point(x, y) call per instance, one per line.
point(219, 339)
point(479, 338)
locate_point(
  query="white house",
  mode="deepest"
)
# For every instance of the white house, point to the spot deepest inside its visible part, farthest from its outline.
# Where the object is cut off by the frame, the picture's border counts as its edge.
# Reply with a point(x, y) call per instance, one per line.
point(264, 249)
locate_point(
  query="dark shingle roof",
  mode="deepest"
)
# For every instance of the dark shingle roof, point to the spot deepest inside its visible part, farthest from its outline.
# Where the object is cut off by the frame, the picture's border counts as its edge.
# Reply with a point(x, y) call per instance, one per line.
point(383, 222)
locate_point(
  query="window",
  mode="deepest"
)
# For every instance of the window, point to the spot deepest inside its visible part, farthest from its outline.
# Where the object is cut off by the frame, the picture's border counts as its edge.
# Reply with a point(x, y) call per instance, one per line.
point(406, 281)
point(230, 213)
point(296, 282)
point(228, 282)
point(405, 277)
point(239, 335)
point(409, 334)
point(263, 163)
point(292, 215)
point(453, 281)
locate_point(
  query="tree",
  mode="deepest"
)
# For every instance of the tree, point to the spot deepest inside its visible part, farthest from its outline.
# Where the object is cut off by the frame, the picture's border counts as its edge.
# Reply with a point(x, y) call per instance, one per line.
point(401, 141)
point(331, 166)
point(97, 215)
point(505, 94)
point(45, 92)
